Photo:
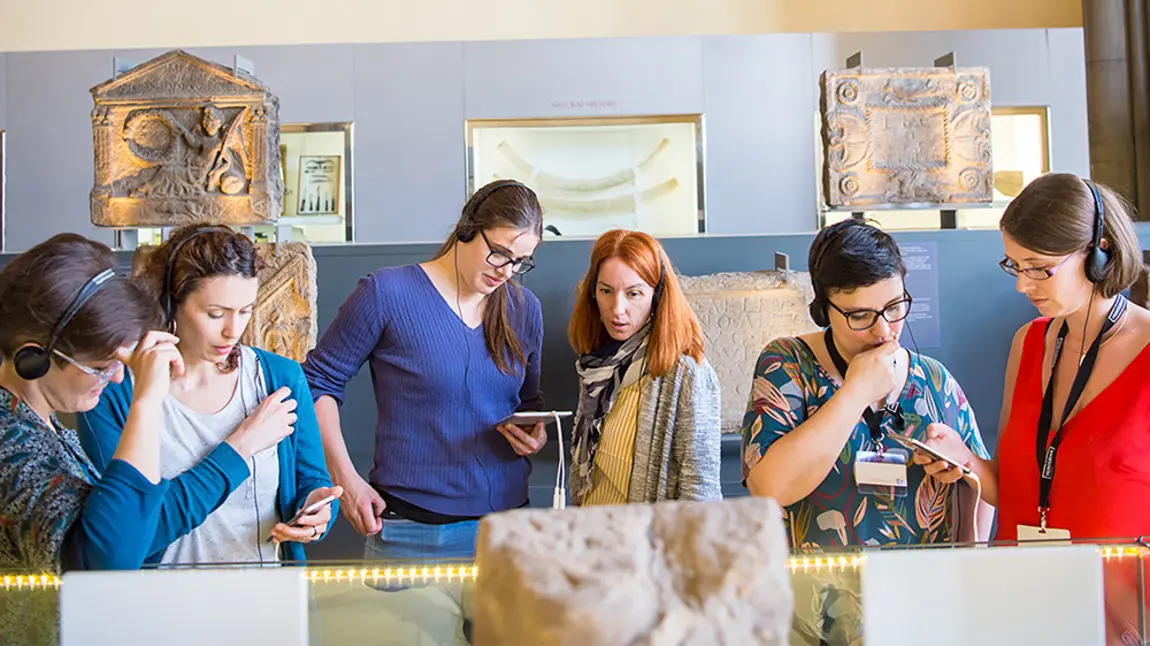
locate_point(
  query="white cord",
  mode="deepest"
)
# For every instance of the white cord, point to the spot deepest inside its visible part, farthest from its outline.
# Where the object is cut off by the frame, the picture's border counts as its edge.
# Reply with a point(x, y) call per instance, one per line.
point(559, 497)
point(973, 477)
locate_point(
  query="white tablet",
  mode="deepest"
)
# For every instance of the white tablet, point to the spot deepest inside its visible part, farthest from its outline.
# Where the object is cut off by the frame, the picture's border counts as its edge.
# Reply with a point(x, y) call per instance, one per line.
point(530, 418)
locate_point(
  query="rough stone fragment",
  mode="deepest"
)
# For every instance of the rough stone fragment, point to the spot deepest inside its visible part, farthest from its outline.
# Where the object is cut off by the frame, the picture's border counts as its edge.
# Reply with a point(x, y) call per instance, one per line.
point(740, 313)
point(178, 140)
point(906, 136)
point(672, 573)
point(284, 319)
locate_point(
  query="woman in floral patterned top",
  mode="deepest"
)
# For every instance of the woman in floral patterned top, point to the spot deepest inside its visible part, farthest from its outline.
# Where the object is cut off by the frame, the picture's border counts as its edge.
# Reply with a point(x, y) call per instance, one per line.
point(806, 426)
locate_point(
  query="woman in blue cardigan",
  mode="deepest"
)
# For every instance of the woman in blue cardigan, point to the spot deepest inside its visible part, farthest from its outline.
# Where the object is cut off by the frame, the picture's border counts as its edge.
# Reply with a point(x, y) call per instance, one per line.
point(240, 442)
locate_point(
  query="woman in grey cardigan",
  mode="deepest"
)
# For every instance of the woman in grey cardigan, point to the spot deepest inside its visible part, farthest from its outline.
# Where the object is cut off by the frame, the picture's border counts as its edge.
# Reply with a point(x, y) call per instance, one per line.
point(647, 425)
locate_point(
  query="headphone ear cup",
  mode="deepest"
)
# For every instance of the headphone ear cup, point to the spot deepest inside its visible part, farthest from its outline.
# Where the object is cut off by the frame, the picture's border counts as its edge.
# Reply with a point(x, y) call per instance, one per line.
point(464, 234)
point(1096, 264)
point(31, 362)
point(818, 313)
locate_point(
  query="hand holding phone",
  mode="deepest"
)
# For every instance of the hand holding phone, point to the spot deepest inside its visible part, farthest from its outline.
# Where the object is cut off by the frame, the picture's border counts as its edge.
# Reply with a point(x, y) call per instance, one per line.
point(311, 521)
point(916, 445)
point(310, 509)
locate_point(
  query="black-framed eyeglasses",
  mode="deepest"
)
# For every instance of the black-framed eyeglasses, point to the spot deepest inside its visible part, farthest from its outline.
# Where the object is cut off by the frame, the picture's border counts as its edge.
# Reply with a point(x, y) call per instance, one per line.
point(859, 320)
point(499, 259)
point(1033, 273)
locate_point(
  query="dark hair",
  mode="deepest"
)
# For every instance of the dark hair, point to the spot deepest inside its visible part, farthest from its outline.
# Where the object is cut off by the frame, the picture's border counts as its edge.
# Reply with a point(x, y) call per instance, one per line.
point(1054, 215)
point(201, 252)
point(502, 203)
point(39, 285)
point(848, 255)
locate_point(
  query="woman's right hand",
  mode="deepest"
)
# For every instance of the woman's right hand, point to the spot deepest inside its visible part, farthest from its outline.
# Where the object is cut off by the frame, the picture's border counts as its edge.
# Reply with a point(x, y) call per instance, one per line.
point(153, 362)
point(875, 373)
point(270, 423)
point(361, 504)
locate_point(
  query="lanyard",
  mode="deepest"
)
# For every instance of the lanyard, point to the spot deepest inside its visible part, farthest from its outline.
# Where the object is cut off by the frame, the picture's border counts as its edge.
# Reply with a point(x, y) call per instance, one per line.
point(872, 417)
point(1047, 454)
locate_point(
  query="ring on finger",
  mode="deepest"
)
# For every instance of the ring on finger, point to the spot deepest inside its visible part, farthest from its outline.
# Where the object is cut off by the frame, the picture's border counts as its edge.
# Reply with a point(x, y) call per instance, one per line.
point(314, 531)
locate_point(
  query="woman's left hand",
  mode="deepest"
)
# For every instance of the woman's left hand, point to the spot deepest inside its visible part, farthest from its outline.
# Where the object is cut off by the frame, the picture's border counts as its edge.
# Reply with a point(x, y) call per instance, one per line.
point(311, 526)
point(524, 442)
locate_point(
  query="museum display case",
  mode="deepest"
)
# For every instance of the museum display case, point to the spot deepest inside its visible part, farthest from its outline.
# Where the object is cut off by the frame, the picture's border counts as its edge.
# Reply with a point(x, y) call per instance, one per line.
point(359, 602)
point(1020, 148)
point(597, 173)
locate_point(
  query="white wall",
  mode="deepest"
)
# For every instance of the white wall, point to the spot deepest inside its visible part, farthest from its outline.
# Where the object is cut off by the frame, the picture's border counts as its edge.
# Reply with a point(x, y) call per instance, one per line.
point(410, 101)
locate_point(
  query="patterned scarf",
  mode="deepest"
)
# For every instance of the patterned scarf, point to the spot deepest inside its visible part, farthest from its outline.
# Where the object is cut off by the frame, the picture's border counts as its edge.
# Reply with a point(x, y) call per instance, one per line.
point(602, 374)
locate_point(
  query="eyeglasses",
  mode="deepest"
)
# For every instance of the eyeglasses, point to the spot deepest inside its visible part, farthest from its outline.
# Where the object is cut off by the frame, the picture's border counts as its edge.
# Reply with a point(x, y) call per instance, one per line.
point(499, 259)
point(105, 375)
point(1033, 273)
point(859, 320)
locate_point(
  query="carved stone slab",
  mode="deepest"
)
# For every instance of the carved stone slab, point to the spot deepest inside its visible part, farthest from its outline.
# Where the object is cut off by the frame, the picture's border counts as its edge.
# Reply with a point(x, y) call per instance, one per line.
point(635, 575)
point(906, 136)
point(284, 320)
point(178, 140)
point(740, 313)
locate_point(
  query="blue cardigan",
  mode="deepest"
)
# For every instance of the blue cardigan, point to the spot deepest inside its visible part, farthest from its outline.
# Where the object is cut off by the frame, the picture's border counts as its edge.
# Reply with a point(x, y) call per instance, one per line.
point(199, 491)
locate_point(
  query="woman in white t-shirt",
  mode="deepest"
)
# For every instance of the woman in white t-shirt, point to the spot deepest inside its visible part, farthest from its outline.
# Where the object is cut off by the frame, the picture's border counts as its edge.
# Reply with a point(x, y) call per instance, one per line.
point(240, 444)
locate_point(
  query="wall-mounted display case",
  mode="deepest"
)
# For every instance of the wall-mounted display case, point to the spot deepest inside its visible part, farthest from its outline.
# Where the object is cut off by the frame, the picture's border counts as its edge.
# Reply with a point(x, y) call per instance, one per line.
point(1020, 149)
point(598, 173)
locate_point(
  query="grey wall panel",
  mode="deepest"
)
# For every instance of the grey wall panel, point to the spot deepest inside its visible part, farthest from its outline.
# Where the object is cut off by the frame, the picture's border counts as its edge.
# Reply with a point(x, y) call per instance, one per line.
point(569, 77)
point(410, 148)
point(3, 91)
point(50, 144)
point(1069, 126)
point(760, 131)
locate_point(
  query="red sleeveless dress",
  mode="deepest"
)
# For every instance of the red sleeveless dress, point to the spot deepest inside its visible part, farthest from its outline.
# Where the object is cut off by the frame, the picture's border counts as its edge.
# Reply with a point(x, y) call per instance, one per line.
point(1101, 483)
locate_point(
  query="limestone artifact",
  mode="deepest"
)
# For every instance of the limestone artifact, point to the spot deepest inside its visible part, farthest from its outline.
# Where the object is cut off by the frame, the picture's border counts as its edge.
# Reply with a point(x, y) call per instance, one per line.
point(906, 136)
point(740, 313)
point(179, 139)
point(670, 573)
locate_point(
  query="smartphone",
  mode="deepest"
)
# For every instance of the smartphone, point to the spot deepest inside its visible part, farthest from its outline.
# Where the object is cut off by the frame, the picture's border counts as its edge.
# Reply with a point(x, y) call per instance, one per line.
point(310, 509)
point(530, 418)
point(915, 445)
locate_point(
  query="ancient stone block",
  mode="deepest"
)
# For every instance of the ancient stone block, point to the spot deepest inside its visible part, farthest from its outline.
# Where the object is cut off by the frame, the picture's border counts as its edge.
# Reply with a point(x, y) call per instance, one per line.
point(740, 313)
point(906, 136)
point(284, 320)
point(671, 573)
point(179, 140)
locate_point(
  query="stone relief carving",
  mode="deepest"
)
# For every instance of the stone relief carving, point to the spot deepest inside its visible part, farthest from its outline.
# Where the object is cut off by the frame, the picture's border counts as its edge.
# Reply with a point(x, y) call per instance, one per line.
point(740, 313)
point(284, 320)
point(906, 136)
point(668, 573)
point(179, 140)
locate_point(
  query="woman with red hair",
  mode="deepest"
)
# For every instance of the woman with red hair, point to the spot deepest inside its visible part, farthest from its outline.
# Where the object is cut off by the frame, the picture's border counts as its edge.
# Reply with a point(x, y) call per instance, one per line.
point(647, 425)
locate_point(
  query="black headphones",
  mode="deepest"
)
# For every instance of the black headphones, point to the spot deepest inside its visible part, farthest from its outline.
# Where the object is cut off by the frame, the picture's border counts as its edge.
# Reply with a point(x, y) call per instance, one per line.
point(465, 231)
point(818, 307)
point(32, 362)
point(168, 296)
point(1096, 256)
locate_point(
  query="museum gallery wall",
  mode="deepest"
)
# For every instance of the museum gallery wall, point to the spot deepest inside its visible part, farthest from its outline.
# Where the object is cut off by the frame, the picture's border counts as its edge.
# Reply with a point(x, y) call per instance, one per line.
point(750, 103)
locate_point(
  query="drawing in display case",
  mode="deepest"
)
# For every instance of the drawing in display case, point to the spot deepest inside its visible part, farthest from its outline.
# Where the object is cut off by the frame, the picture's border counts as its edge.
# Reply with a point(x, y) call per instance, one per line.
point(598, 173)
point(1020, 147)
point(317, 169)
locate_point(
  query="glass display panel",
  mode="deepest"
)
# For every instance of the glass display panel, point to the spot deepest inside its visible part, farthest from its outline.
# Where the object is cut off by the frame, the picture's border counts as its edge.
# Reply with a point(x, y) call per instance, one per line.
point(594, 174)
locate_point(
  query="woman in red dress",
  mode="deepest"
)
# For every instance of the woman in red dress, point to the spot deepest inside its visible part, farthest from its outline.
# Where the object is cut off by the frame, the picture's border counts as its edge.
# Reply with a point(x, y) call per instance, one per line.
point(1073, 457)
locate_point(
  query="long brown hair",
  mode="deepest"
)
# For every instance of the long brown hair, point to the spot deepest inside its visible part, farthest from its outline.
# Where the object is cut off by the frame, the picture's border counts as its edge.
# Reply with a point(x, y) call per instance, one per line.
point(676, 330)
point(191, 255)
point(1054, 215)
point(502, 203)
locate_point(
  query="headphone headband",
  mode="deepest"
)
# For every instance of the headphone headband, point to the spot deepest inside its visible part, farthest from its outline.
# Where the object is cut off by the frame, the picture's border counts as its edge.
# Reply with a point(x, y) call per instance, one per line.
point(32, 362)
point(1096, 256)
point(169, 267)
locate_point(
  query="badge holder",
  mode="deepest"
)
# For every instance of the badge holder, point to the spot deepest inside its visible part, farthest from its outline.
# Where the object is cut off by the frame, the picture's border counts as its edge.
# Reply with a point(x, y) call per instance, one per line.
point(882, 472)
point(1027, 533)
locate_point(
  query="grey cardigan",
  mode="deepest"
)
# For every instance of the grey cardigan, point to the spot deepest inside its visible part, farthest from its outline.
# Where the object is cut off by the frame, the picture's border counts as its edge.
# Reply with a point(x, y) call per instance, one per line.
point(677, 438)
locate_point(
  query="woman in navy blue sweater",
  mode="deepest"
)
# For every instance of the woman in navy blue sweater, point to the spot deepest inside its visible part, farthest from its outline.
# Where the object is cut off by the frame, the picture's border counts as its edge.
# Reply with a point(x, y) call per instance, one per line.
point(454, 347)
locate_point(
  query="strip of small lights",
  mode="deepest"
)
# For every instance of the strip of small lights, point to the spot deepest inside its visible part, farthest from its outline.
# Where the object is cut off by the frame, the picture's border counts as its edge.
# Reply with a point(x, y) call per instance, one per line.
point(31, 582)
point(829, 563)
point(395, 575)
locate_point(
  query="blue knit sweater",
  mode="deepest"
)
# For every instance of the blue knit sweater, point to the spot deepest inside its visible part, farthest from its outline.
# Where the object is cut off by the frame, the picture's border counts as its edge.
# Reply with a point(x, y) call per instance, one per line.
point(437, 390)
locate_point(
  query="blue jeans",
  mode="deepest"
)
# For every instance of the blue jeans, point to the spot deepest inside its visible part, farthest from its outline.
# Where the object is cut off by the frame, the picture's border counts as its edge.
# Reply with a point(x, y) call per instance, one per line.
point(411, 543)
point(406, 543)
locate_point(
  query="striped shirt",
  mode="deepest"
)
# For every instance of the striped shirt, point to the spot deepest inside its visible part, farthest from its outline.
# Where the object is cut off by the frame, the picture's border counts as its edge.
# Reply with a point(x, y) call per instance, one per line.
point(615, 454)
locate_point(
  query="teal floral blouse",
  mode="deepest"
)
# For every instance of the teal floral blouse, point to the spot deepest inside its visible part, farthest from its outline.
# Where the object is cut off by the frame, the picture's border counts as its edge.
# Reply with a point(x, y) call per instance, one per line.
point(790, 385)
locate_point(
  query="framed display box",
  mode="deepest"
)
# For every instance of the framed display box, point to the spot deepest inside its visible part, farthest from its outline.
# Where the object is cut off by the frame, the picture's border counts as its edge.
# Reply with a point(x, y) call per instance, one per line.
point(1020, 149)
point(593, 174)
point(318, 191)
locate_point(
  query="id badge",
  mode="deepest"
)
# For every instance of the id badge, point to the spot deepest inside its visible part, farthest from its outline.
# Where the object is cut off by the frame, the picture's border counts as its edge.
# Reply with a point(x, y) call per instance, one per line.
point(882, 473)
point(1035, 533)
